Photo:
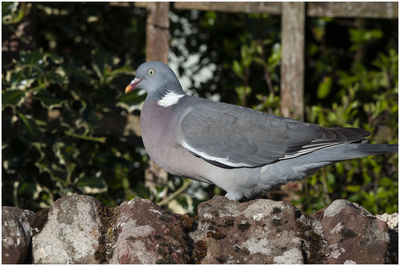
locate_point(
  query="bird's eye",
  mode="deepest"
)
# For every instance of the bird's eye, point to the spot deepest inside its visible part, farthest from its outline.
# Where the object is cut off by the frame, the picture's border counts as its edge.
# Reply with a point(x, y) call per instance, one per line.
point(152, 72)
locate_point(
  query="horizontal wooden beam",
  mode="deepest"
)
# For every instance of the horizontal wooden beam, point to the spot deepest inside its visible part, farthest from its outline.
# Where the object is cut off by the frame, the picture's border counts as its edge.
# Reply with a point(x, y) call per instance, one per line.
point(388, 10)
point(273, 8)
point(141, 4)
point(120, 4)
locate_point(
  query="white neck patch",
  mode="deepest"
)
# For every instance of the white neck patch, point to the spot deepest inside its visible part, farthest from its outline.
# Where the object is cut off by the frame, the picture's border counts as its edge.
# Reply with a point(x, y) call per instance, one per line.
point(169, 99)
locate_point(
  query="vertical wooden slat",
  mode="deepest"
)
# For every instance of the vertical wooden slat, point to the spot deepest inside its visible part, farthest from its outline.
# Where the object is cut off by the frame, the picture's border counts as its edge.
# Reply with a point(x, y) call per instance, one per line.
point(157, 46)
point(292, 72)
point(292, 68)
point(157, 31)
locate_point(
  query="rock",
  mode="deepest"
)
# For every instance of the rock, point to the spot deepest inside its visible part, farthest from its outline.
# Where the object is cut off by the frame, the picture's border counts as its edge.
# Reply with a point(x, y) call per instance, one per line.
point(353, 235)
point(71, 232)
point(392, 220)
point(259, 231)
point(16, 235)
point(78, 229)
point(147, 234)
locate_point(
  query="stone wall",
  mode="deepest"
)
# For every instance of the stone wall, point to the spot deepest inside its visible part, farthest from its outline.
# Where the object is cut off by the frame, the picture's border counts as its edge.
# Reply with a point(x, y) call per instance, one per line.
point(79, 229)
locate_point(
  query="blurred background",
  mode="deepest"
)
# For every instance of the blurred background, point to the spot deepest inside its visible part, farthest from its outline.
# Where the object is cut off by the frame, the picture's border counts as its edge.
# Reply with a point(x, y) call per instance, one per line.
point(68, 127)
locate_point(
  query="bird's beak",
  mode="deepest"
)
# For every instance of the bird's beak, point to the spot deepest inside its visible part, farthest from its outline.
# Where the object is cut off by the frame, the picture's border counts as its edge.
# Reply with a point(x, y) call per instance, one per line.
point(132, 85)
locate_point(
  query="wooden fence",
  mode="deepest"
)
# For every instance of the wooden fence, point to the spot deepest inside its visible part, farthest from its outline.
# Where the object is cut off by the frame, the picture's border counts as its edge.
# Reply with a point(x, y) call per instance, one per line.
point(293, 19)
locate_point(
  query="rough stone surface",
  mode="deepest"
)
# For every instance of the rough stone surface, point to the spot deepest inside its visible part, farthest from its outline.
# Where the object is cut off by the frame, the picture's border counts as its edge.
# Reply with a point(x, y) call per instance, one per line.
point(392, 220)
point(147, 234)
point(353, 235)
point(71, 233)
point(259, 231)
point(16, 235)
point(78, 229)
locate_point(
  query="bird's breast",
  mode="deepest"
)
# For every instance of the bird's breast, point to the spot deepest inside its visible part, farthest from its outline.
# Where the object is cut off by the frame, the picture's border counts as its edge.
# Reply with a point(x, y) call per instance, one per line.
point(158, 129)
point(157, 126)
point(154, 124)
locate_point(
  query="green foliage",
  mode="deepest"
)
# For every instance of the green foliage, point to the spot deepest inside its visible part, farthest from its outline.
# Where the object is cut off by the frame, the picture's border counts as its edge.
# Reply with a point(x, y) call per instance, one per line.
point(53, 135)
point(359, 37)
point(11, 14)
point(53, 104)
point(264, 54)
point(324, 87)
point(366, 96)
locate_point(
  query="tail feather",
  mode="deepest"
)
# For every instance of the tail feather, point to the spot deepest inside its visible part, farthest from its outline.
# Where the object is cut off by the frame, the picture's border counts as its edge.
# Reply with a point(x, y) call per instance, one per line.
point(371, 149)
point(354, 150)
point(300, 167)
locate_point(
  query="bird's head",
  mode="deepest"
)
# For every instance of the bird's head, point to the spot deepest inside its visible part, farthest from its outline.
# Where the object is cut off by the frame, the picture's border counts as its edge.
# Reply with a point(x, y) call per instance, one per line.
point(157, 79)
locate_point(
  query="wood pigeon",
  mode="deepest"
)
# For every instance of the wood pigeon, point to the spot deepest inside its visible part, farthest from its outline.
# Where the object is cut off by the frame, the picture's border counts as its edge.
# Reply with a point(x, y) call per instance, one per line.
point(241, 150)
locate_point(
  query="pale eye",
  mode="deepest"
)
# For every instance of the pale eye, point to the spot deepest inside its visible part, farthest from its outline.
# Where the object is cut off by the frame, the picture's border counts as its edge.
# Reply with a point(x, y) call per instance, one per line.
point(152, 72)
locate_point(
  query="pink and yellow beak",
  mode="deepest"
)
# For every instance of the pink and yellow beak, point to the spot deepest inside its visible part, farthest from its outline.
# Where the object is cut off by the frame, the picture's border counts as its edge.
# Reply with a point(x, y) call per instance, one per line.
point(131, 86)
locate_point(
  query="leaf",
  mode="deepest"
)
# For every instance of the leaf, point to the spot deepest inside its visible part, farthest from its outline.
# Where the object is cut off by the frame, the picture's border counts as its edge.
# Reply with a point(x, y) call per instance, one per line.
point(237, 69)
point(27, 188)
point(92, 185)
point(119, 71)
point(353, 188)
point(12, 97)
point(47, 100)
point(11, 14)
point(30, 127)
point(54, 77)
point(55, 58)
point(33, 58)
point(131, 101)
point(142, 191)
point(259, 61)
point(324, 87)
point(243, 91)
point(246, 55)
point(386, 182)
point(85, 137)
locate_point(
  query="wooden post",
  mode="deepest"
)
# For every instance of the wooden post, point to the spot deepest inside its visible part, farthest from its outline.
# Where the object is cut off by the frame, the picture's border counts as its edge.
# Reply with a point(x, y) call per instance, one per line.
point(157, 31)
point(292, 66)
point(292, 72)
point(157, 46)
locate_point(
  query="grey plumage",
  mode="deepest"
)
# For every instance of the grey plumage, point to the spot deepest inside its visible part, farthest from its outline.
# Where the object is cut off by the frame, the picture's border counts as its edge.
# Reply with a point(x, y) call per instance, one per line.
point(241, 150)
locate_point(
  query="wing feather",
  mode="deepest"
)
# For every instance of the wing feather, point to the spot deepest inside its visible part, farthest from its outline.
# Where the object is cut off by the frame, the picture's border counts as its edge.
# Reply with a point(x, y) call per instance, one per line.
point(233, 136)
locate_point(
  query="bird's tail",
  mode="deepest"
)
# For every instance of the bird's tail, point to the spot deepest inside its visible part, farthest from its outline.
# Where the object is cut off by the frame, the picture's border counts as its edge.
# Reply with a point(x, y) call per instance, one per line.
point(355, 150)
point(300, 167)
point(370, 149)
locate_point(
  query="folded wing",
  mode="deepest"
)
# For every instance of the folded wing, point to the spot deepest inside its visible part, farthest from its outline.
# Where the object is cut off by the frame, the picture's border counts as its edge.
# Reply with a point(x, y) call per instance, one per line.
point(232, 136)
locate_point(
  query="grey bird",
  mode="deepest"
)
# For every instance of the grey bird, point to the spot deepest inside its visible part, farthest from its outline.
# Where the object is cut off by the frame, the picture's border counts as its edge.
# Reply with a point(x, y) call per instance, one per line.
point(241, 150)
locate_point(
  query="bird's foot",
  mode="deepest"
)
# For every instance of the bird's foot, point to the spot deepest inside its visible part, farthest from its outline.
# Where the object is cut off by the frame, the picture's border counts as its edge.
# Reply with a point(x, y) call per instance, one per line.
point(242, 198)
point(234, 197)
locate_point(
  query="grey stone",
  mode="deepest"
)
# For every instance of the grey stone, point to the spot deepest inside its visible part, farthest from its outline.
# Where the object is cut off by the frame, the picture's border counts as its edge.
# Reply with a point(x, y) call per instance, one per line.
point(16, 235)
point(259, 231)
point(78, 229)
point(353, 235)
point(392, 220)
point(147, 234)
point(71, 233)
